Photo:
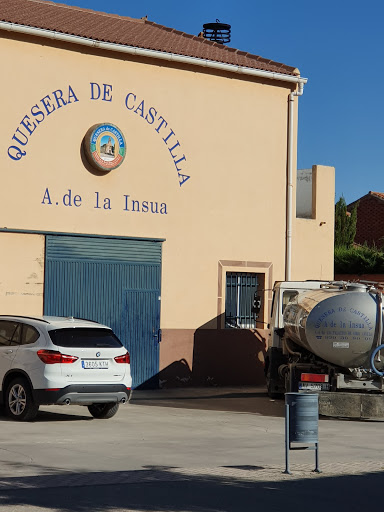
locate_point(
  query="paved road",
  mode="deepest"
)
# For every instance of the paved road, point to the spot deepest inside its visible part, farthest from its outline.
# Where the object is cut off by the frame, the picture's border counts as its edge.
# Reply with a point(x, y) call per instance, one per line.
point(185, 450)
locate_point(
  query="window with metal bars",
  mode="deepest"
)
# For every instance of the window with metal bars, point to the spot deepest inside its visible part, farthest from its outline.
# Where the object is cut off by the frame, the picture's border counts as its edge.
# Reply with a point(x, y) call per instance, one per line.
point(241, 289)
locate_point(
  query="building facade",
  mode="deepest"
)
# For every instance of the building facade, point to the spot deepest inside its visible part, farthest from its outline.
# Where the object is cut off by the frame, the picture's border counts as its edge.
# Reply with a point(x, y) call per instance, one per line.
point(149, 183)
point(370, 219)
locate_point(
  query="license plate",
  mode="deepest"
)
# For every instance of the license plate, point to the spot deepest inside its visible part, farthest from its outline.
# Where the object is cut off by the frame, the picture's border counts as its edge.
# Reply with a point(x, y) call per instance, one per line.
point(89, 364)
point(314, 386)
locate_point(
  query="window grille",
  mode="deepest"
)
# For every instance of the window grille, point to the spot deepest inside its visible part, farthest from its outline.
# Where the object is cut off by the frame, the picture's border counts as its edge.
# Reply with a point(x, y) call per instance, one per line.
point(241, 288)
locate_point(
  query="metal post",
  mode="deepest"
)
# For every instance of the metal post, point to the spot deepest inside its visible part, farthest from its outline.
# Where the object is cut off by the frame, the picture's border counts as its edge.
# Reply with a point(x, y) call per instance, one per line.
point(287, 442)
point(317, 469)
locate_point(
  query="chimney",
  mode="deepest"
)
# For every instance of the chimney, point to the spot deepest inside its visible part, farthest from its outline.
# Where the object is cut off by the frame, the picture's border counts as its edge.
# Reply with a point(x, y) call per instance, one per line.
point(218, 32)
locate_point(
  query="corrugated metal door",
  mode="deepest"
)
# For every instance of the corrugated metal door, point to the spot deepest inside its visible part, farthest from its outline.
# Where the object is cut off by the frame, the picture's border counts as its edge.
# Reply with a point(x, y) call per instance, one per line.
point(113, 281)
point(143, 323)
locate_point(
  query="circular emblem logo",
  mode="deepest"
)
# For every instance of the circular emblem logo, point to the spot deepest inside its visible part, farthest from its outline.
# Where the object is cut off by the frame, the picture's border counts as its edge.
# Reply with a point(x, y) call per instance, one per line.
point(104, 146)
point(98, 354)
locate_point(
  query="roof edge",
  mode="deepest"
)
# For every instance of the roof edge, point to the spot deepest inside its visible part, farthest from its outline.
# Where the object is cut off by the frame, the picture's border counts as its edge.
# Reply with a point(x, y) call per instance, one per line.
point(156, 54)
point(375, 195)
point(378, 195)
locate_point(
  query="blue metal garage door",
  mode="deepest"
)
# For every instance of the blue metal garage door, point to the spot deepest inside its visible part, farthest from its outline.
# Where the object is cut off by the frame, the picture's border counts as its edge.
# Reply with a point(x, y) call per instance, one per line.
point(113, 281)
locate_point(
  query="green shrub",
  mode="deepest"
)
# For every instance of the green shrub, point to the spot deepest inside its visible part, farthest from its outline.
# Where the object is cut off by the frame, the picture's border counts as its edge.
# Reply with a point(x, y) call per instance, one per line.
point(359, 260)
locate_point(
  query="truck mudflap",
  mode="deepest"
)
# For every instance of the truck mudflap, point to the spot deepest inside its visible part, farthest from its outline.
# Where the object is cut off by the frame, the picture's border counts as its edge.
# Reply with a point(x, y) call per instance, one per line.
point(351, 405)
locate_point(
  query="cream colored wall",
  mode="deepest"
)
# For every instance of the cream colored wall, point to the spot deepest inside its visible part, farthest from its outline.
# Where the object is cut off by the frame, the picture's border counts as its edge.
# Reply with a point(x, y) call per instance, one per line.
point(232, 131)
point(312, 247)
point(21, 274)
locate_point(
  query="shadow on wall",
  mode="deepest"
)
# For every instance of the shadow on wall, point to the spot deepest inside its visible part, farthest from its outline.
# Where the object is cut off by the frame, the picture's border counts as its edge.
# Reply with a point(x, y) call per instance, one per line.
point(221, 357)
point(224, 357)
point(176, 375)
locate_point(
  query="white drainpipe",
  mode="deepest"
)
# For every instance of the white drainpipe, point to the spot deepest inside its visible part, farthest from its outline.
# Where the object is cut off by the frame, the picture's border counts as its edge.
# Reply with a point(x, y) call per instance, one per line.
point(290, 206)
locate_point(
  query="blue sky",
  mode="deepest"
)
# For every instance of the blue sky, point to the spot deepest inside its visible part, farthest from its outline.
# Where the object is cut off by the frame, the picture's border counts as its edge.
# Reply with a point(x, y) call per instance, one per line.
point(337, 45)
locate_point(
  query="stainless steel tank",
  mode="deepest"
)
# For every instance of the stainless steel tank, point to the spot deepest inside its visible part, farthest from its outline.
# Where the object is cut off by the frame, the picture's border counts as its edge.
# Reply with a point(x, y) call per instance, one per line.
point(340, 326)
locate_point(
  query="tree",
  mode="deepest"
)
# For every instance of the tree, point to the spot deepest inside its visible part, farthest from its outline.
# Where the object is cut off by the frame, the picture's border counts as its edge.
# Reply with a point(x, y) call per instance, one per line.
point(345, 224)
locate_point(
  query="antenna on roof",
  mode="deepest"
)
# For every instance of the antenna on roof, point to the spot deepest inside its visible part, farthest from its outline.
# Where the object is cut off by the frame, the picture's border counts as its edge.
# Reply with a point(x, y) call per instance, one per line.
point(218, 32)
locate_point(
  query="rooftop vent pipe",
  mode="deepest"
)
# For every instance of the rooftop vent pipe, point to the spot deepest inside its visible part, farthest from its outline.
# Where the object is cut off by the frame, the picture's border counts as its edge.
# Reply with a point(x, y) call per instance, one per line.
point(219, 32)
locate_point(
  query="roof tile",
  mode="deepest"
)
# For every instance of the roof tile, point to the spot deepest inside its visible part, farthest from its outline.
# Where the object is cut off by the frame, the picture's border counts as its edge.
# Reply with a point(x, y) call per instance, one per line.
point(380, 195)
point(127, 31)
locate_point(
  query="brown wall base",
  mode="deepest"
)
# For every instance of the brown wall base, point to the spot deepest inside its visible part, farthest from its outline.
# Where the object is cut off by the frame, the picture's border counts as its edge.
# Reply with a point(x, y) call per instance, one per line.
point(210, 357)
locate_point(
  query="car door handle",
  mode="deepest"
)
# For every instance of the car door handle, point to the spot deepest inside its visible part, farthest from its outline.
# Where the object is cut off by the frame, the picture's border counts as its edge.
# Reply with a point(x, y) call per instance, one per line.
point(9, 351)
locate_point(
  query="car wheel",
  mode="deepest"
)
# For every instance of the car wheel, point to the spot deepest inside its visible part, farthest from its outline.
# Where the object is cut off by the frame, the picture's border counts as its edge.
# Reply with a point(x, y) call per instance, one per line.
point(19, 404)
point(103, 411)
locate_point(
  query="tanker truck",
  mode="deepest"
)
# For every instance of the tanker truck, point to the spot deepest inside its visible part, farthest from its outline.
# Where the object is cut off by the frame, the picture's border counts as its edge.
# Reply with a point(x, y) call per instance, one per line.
point(326, 337)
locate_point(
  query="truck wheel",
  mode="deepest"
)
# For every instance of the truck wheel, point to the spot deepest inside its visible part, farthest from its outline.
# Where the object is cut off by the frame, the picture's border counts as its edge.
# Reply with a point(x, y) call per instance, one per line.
point(291, 382)
point(272, 388)
point(19, 404)
point(103, 411)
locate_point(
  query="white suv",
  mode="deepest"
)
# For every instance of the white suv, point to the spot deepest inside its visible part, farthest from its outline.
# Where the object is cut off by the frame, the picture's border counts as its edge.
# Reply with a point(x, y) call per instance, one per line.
point(54, 360)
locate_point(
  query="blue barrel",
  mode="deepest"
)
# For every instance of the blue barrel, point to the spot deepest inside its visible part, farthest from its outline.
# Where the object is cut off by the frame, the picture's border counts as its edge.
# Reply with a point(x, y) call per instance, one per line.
point(303, 417)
